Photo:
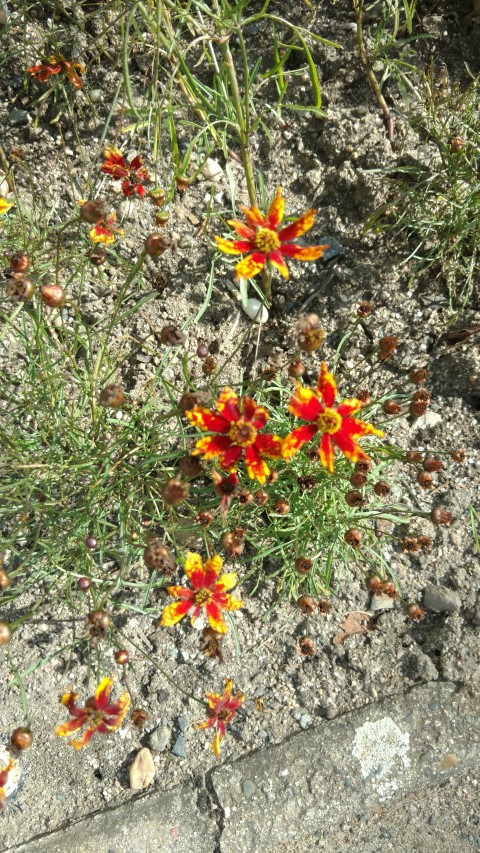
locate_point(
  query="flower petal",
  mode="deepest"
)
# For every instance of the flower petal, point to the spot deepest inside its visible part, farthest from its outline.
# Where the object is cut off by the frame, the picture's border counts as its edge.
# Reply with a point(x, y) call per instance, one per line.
point(293, 442)
point(206, 419)
point(327, 386)
point(252, 215)
point(326, 453)
point(298, 226)
point(269, 445)
point(69, 728)
point(215, 618)
point(212, 446)
point(86, 738)
point(216, 743)
point(228, 602)
point(242, 230)
point(229, 458)
point(226, 582)
point(116, 712)
point(303, 253)
point(257, 468)
point(232, 247)
point(72, 75)
point(179, 591)
point(349, 407)
point(193, 565)
point(305, 404)
point(275, 211)
point(174, 612)
point(349, 448)
point(227, 405)
point(102, 693)
point(355, 428)
point(258, 415)
point(251, 265)
point(212, 568)
point(5, 205)
point(276, 259)
point(99, 234)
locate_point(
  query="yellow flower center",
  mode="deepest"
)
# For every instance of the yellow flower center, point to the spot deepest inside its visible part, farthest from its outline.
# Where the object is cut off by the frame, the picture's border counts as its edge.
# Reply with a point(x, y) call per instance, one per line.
point(242, 433)
point(202, 596)
point(225, 716)
point(329, 421)
point(265, 240)
point(93, 717)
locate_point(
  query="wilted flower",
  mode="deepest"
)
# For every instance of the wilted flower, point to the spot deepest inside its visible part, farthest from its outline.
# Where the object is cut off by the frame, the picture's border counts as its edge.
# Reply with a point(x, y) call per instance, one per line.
point(105, 230)
point(208, 591)
point(221, 711)
point(336, 424)
point(263, 241)
point(98, 714)
point(56, 65)
point(131, 174)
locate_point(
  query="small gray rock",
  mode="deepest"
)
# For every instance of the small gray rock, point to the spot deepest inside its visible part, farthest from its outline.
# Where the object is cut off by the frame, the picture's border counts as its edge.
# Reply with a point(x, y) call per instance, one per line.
point(442, 599)
point(182, 723)
point(19, 117)
point(249, 788)
point(178, 747)
point(160, 738)
point(305, 721)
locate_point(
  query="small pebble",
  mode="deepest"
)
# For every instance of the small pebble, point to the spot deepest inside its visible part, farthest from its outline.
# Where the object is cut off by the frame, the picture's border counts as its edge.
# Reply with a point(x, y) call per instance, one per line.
point(142, 770)
point(160, 738)
point(305, 721)
point(256, 311)
point(249, 788)
point(178, 747)
point(182, 723)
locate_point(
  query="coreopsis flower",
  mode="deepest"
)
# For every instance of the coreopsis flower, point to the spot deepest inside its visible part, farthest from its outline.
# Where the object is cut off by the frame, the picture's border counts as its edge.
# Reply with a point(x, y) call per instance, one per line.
point(57, 65)
point(130, 174)
point(5, 206)
point(98, 714)
point(236, 426)
point(8, 776)
point(336, 425)
point(208, 590)
point(221, 711)
point(265, 243)
point(105, 230)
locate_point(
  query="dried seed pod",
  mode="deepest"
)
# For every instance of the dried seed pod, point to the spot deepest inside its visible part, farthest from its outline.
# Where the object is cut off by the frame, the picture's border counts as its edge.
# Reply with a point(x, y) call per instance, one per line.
point(418, 375)
point(245, 497)
point(190, 466)
point(422, 396)
point(416, 408)
point(53, 295)
point(204, 518)
point(260, 497)
point(234, 542)
point(158, 557)
point(282, 507)
point(456, 144)
point(432, 464)
point(388, 344)
point(209, 365)
point(296, 368)
point(364, 396)
point(355, 499)
point(324, 606)
point(99, 620)
point(364, 308)
point(5, 580)
point(111, 397)
point(20, 289)
point(19, 263)
point(306, 604)
point(425, 543)
point(21, 738)
point(311, 340)
point(94, 210)
point(363, 465)
point(391, 407)
point(374, 584)
point(382, 489)
point(416, 612)
point(441, 516)
point(5, 633)
point(307, 483)
point(191, 399)
point(174, 491)
point(139, 717)
point(358, 479)
point(389, 588)
point(156, 244)
point(211, 643)
point(413, 456)
point(303, 565)
point(425, 480)
point(458, 456)
point(306, 646)
point(410, 544)
point(98, 256)
point(172, 336)
point(353, 537)
point(272, 477)
point(122, 657)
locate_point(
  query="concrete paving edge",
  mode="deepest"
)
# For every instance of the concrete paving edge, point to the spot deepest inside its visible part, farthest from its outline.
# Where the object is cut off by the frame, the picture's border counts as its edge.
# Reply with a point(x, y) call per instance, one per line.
point(336, 771)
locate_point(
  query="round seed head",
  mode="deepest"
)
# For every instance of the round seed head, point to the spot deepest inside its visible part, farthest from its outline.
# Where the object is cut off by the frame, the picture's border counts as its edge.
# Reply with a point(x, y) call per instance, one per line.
point(171, 336)
point(159, 558)
point(353, 537)
point(121, 656)
point(21, 738)
point(155, 245)
point(174, 491)
point(53, 295)
point(441, 516)
point(20, 289)
point(112, 397)
point(19, 263)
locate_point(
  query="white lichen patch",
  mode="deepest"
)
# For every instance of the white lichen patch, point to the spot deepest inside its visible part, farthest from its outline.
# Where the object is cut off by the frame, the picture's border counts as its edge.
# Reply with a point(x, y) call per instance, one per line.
point(10, 785)
point(382, 750)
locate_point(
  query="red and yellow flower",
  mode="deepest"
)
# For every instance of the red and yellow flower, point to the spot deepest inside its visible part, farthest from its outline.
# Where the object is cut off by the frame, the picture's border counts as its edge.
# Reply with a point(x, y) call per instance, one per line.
point(98, 714)
point(105, 230)
point(208, 591)
point(236, 426)
point(7, 786)
point(56, 65)
point(336, 425)
point(263, 241)
point(221, 711)
point(130, 174)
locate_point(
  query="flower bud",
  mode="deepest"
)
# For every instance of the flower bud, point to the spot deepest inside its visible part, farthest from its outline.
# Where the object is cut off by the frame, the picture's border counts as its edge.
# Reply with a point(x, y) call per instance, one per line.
point(100, 620)
point(20, 289)
point(19, 263)
point(111, 397)
point(432, 464)
point(98, 256)
point(456, 144)
point(158, 557)
point(157, 195)
point(441, 516)
point(121, 656)
point(358, 479)
point(181, 183)
point(382, 489)
point(355, 499)
point(418, 375)
point(391, 407)
point(53, 295)
point(21, 738)
point(306, 604)
point(202, 351)
point(353, 537)
point(303, 565)
point(174, 491)
point(296, 369)
point(363, 465)
point(5, 633)
point(93, 211)
point(84, 584)
point(172, 336)
point(425, 480)
point(155, 244)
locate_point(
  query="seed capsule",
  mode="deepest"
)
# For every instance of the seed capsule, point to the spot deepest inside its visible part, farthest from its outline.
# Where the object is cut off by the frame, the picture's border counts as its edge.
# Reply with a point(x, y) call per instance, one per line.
point(204, 518)
point(432, 464)
point(390, 589)
point(425, 480)
point(112, 397)
point(410, 544)
point(190, 466)
point(306, 646)
point(21, 738)
point(209, 365)
point(416, 612)
point(282, 507)
point(364, 309)
point(171, 336)
point(458, 456)
point(174, 491)
point(382, 489)
point(139, 717)
point(244, 496)
point(19, 263)
point(234, 542)
point(441, 516)
point(20, 289)
point(422, 396)
point(413, 456)
point(374, 584)
point(364, 396)
point(260, 497)
point(158, 557)
point(121, 656)
point(296, 369)
point(456, 144)
point(363, 465)
point(425, 543)
point(417, 408)
point(303, 565)
point(156, 244)
point(358, 479)
point(5, 633)
point(391, 407)
point(306, 604)
point(94, 210)
point(355, 499)
point(53, 295)
point(310, 340)
point(353, 537)
point(191, 399)
point(99, 619)
point(418, 375)
point(157, 196)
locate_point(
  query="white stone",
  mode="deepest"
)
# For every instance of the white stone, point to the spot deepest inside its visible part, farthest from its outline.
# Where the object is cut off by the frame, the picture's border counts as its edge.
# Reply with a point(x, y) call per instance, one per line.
point(212, 170)
point(142, 770)
point(256, 311)
point(381, 748)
